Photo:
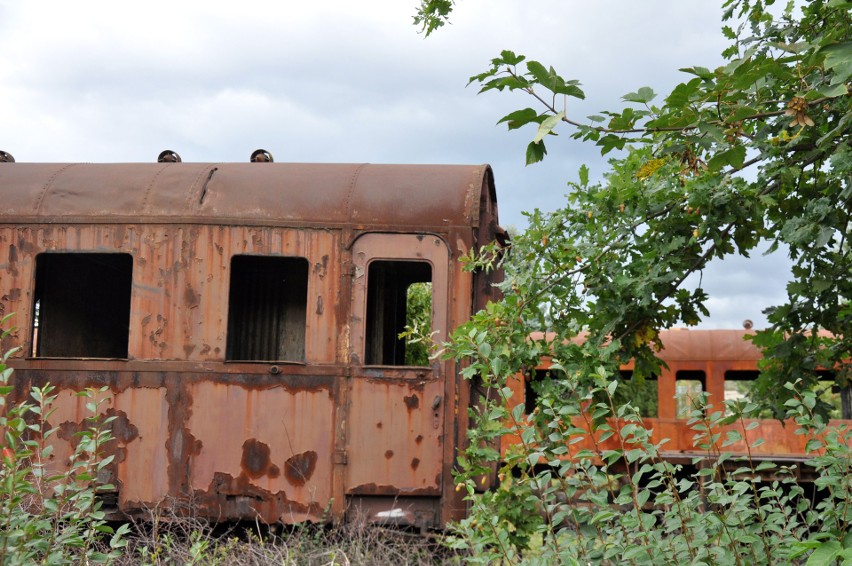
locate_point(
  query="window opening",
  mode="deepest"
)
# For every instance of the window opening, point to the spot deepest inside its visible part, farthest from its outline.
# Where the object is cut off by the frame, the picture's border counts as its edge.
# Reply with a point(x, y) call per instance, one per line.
point(534, 385)
point(267, 308)
point(81, 305)
point(738, 386)
point(641, 394)
point(689, 387)
point(399, 313)
point(828, 391)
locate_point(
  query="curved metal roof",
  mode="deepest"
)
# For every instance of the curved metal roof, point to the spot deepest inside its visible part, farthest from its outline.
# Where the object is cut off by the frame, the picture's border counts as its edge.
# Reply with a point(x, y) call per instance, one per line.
point(428, 197)
point(681, 344)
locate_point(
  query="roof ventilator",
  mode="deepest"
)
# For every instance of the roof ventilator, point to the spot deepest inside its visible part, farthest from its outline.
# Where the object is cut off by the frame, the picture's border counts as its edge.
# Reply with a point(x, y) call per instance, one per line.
point(261, 156)
point(6, 157)
point(168, 156)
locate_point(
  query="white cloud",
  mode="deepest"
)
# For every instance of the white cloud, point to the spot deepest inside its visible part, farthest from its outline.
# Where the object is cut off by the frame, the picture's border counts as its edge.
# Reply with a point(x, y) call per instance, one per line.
point(333, 80)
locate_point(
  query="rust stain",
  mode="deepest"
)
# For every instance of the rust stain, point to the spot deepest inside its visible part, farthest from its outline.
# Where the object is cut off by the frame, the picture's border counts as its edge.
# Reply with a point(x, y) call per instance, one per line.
point(375, 489)
point(418, 439)
point(379, 425)
point(412, 402)
point(300, 467)
point(415, 463)
point(190, 298)
point(256, 461)
point(388, 454)
point(14, 295)
point(230, 497)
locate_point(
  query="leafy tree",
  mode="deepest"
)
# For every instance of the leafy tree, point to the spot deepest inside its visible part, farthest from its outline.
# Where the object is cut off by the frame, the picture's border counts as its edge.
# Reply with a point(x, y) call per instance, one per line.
point(755, 150)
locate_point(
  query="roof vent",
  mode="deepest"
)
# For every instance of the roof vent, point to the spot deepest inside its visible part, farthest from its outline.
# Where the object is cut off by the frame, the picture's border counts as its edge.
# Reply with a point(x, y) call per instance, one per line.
point(168, 156)
point(261, 156)
point(6, 157)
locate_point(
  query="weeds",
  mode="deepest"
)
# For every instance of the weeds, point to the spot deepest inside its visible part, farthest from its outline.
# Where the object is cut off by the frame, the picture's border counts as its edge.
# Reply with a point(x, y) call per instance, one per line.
point(47, 515)
point(596, 504)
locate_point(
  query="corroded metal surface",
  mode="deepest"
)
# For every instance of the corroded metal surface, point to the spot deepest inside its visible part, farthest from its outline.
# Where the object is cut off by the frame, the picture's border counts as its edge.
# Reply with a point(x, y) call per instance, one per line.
point(697, 354)
point(402, 197)
point(276, 440)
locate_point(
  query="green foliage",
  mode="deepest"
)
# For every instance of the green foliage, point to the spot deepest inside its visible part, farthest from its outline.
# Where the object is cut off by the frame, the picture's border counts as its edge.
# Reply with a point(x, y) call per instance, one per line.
point(755, 150)
point(46, 516)
point(418, 324)
point(433, 14)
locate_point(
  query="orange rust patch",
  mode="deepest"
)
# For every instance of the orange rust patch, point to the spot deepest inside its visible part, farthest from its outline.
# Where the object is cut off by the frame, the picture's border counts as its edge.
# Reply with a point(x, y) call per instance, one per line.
point(256, 461)
point(300, 467)
point(412, 402)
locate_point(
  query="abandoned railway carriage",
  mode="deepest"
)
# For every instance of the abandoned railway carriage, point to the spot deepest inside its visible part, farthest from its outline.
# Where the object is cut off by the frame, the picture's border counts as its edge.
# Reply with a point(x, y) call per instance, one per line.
point(246, 318)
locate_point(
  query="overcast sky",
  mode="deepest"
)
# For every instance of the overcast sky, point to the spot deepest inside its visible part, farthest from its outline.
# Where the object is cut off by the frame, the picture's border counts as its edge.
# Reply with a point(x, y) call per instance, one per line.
point(345, 81)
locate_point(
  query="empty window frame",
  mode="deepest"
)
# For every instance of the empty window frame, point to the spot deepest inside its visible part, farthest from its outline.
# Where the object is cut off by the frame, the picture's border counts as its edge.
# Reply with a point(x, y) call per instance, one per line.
point(738, 386)
point(642, 395)
point(399, 313)
point(828, 392)
point(267, 308)
point(689, 389)
point(82, 305)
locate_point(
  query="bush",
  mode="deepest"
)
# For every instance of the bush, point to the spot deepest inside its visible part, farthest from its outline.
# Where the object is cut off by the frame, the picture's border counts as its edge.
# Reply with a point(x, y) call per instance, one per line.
point(558, 506)
point(48, 516)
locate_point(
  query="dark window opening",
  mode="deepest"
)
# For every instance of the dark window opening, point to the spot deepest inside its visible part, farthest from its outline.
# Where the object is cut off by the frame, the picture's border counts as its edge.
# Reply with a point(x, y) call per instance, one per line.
point(641, 394)
point(399, 313)
point(532, 388)
point(82, 305)
point(689, 389)
point(267, 308)
point(829, 392)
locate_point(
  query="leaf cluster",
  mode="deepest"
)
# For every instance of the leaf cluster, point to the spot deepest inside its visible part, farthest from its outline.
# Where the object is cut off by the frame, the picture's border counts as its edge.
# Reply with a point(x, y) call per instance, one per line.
point(51, 516)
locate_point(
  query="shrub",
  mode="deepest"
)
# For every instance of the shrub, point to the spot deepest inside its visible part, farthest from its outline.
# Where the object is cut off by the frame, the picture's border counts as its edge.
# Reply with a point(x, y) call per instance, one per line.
point(49, 516)
point(558, 506)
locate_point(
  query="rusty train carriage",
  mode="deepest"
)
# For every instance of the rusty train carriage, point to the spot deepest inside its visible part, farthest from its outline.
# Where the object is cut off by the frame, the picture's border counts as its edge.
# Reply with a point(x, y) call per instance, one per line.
point(245, 319)
point(709, 358)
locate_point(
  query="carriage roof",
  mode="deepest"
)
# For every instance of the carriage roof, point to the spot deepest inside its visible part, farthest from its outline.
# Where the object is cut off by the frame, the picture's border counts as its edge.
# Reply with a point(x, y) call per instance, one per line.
point(359, 196)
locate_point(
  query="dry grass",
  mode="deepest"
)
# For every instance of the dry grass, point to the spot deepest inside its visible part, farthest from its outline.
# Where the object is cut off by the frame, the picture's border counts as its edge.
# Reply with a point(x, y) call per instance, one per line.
point(191, 541)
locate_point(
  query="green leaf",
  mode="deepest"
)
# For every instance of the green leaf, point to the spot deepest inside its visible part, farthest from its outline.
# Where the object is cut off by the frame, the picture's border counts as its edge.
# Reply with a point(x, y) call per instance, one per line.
point(643, 96)
point(547, 126)
point(824, 554)
point(838, 57)
point(519, 118)
point(833, 91)
point(584, 175)
point(535, 152)
point(734, 157)
point(510, 58)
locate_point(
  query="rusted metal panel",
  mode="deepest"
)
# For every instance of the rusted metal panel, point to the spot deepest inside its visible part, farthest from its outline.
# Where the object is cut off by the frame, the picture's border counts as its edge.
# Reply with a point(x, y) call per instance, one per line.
point(395, 437)
point(710, 353)
point(264, 450)
point(180, 281)
point(303, 194)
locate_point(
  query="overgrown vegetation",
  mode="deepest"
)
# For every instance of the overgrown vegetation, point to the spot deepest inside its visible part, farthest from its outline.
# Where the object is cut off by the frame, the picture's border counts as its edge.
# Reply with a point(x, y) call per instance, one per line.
point(754, 151)
point(188, 541)
point(51, 516)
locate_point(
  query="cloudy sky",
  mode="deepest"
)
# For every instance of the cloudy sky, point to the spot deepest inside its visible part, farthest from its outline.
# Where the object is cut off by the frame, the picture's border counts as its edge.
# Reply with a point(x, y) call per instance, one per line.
point(344, 81)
